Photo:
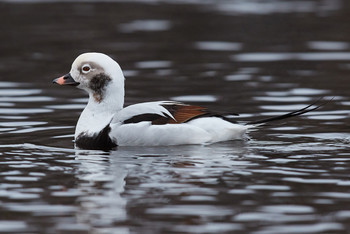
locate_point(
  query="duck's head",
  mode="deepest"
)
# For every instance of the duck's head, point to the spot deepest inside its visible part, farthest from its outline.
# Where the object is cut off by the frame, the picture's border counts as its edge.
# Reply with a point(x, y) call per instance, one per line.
point(95, 73)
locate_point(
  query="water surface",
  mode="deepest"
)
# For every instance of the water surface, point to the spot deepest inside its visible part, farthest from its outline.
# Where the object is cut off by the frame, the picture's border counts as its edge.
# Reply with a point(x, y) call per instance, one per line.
point(258, 59)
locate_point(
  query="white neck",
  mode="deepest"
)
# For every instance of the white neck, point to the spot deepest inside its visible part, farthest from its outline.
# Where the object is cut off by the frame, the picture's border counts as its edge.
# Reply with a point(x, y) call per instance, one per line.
point(98, 115)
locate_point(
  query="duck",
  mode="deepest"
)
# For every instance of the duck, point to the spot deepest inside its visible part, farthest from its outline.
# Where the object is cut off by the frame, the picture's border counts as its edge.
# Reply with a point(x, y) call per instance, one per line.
point(105, 123)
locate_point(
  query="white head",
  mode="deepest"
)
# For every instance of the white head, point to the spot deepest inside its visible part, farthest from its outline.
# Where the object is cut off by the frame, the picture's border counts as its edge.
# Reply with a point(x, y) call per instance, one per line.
point(96, 73)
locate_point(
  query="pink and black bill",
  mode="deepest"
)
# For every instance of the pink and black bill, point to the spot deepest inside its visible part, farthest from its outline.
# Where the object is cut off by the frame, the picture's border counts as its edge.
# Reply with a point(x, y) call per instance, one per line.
point(66, 80)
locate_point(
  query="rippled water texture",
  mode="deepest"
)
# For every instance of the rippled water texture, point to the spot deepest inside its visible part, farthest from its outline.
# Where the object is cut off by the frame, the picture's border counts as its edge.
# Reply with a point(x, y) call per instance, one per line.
point(256, 58)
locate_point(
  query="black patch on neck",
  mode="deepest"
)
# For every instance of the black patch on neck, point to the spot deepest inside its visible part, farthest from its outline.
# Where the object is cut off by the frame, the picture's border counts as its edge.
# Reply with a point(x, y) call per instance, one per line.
point(98, 85)
point(98, 141)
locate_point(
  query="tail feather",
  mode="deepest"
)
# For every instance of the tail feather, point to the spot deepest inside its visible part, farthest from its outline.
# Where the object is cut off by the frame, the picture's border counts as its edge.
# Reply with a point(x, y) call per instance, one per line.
point(313, 106)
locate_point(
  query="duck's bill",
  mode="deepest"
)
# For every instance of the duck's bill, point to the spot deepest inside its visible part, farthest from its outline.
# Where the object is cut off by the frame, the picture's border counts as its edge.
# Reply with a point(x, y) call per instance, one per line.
point(66, 80)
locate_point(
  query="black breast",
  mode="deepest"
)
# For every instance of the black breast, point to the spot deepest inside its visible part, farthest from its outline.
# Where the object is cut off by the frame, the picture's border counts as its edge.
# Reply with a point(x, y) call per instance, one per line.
point(98, 141)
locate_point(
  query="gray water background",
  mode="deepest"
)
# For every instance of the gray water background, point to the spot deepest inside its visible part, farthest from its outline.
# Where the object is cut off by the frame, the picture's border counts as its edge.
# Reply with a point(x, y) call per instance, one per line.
point(256, 58)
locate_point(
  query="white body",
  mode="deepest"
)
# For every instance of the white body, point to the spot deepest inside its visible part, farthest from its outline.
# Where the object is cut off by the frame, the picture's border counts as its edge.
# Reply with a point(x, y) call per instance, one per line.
point(197, 131)
point(105, 108)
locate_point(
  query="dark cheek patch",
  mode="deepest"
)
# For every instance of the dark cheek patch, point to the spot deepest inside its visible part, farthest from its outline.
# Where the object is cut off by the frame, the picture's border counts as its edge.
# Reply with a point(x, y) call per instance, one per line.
point(98, 85)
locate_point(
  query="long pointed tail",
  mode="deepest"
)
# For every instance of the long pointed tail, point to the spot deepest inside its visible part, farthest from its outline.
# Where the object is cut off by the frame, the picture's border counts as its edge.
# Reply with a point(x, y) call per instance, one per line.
point(313, 106)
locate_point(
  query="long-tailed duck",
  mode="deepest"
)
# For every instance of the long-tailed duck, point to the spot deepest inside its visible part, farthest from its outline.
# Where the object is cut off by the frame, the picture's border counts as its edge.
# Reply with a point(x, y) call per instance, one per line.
point(105, 123)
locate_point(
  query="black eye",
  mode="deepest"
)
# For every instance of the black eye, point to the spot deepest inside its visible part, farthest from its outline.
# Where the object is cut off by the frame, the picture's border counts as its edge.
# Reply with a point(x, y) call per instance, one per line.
point(86, 68)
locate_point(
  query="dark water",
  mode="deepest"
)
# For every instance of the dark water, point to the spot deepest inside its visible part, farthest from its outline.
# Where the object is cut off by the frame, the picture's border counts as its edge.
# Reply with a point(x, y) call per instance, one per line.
point(257, 58)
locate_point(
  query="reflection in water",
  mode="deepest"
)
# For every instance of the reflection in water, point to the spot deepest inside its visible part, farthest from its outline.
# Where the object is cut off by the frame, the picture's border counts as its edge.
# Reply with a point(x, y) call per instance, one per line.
point(256, 58)
point(102, 183)
point(183, 187)
point(217, 188)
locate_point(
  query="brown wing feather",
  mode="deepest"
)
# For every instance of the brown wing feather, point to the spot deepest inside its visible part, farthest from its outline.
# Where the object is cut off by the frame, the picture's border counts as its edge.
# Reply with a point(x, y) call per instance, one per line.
point(181, 113)
point(184, 113)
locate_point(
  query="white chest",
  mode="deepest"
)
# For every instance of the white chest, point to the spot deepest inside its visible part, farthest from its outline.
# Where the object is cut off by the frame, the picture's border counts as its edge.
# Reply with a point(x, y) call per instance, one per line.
point(92, 122)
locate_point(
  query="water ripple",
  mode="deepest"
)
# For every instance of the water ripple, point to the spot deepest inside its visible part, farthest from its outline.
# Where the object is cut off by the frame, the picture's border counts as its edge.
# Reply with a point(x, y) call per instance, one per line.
point(152, 25)
point(289, 177)
point(278, 57)
point(218, 45)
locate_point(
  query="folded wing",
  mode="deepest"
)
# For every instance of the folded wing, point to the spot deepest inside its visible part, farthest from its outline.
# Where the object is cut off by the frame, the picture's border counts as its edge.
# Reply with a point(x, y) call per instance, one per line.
point(159, 113)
